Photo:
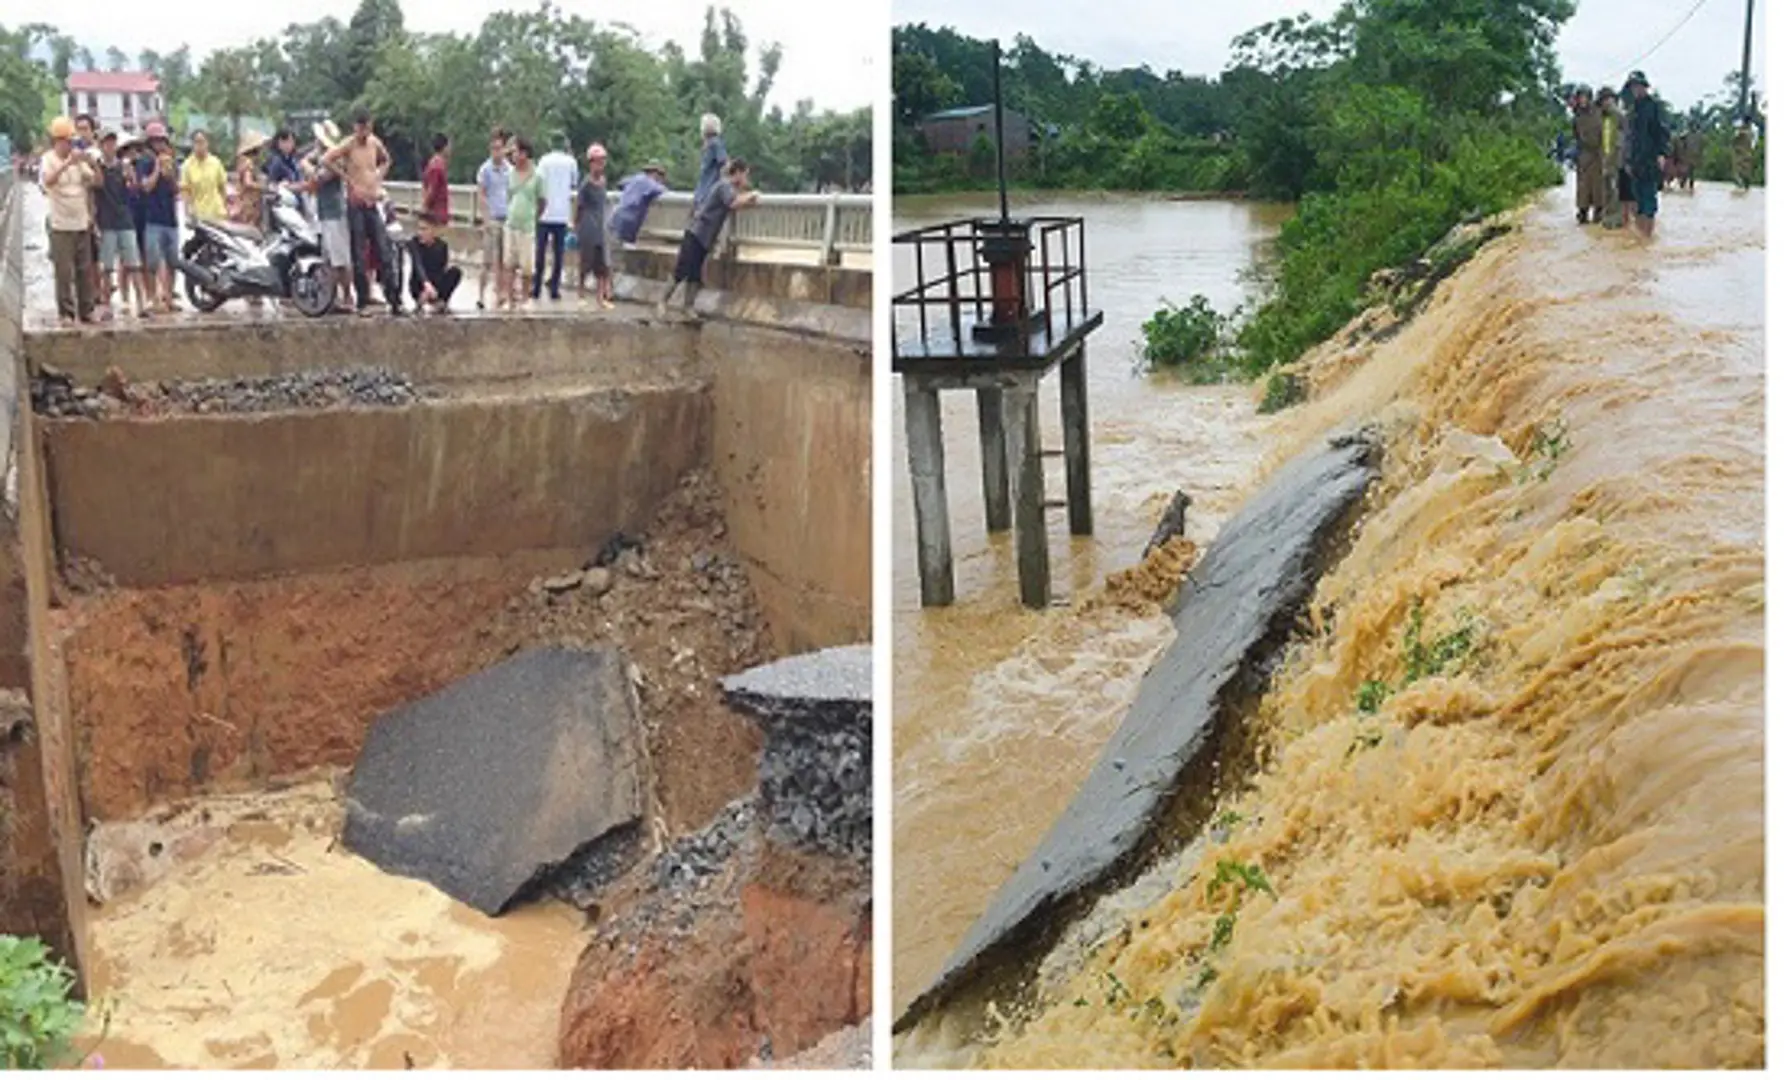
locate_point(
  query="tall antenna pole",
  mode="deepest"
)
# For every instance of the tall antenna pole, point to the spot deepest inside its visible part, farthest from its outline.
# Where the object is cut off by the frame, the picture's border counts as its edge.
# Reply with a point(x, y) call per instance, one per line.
point(1003, 192)
point(1746, 64)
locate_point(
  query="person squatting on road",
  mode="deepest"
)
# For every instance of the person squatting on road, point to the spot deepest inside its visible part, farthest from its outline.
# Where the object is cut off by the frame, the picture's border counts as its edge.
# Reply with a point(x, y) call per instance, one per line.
point(434, 278)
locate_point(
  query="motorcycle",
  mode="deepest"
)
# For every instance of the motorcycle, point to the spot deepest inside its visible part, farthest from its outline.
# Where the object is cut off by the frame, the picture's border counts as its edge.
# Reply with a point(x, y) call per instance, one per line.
point(224, 261)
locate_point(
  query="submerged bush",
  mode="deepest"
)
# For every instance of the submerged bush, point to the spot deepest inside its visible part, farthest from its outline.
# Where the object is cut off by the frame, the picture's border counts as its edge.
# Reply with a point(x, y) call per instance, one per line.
point(1193, 339)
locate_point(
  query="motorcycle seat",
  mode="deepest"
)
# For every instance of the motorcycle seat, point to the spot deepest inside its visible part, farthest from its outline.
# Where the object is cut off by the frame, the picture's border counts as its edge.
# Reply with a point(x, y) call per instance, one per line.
point(236, 228)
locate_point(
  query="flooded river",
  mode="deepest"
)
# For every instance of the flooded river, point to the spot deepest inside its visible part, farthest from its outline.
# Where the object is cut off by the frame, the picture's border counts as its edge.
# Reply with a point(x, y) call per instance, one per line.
point(1513, 811)
point(999, 711)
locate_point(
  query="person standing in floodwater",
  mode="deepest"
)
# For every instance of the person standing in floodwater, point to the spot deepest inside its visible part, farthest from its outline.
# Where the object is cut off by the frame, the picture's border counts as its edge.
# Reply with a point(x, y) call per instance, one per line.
point(1616, 183)
point(1647, 153)
point(1588, 133)
point(1743, 154)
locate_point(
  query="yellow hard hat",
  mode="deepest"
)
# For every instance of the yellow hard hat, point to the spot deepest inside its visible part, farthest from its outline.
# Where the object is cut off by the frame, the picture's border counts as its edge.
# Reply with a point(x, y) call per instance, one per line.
point(61, 128)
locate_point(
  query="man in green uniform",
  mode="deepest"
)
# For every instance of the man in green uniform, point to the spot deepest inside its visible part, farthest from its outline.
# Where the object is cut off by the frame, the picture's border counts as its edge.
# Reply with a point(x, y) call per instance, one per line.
point(1588, 134)
point(1743, 154)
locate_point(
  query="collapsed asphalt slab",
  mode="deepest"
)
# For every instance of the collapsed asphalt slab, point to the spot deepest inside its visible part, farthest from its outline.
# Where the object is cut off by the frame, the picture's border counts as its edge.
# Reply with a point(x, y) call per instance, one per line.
point(816, 772)
point(1234, 612)
point(484, 788)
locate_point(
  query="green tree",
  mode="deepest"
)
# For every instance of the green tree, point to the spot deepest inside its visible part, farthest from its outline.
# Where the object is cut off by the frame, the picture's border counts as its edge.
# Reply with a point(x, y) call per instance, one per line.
point(23, 86)
point(920, 87)
point(230, 83)
point(375, 25)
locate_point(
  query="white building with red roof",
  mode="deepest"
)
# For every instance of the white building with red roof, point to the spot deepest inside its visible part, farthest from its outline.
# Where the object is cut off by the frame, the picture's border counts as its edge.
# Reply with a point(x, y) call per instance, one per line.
point(124, 100)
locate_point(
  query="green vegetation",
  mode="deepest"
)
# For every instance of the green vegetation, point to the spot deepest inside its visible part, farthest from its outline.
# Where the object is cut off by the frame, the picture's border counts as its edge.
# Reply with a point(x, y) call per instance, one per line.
point(1283, 390)
point(1389, 123)
point(1194, 340)
point(1247, 876)
point(37, 1019)
point(1420, 659)
point(533, 71)
point(1552, 442)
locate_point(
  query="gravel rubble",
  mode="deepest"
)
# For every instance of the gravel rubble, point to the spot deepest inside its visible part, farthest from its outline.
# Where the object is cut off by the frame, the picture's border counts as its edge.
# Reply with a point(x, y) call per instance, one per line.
point(55, 394)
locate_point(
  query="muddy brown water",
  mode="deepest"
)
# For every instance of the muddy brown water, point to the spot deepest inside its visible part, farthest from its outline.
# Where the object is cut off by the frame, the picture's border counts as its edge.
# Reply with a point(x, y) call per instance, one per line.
point(272, 945)
point(999, 711)
point(1551, 853)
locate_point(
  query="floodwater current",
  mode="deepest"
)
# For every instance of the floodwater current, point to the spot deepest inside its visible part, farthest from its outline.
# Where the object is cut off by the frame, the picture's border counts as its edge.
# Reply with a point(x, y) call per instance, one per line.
point(992, 700)
point(1511, 805)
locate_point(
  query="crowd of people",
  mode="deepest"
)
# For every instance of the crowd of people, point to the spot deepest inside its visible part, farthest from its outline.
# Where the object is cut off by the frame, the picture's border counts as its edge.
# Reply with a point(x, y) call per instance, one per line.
point(115, 207)
point(1624, 157)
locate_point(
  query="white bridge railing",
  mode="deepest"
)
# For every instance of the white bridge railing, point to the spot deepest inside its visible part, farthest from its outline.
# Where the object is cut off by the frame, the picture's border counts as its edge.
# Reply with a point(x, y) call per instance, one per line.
point(828, 225)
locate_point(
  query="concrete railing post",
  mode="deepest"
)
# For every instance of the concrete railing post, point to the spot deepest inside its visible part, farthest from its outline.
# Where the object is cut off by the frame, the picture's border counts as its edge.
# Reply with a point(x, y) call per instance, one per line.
point(828, 255)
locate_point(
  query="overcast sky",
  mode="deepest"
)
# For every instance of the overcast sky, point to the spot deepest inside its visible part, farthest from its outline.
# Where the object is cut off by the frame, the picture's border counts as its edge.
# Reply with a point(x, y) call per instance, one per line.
point(830, 51)
point(1597, 45)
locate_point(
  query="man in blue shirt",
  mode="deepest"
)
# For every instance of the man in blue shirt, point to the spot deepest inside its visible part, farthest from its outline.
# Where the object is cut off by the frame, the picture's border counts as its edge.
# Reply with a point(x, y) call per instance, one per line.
point(493, 178)
point(712, 158)
point(635, 196)
point(158, 184)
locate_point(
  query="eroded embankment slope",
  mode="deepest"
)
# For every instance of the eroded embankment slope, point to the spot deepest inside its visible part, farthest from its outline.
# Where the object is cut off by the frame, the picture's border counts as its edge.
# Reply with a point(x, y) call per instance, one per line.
point(1511, 811)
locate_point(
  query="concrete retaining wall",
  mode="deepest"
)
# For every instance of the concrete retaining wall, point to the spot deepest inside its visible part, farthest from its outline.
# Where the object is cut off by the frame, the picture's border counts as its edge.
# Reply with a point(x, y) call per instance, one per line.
point(196, 498)
point(42, 889)
point(793, 450)
point(616, 351)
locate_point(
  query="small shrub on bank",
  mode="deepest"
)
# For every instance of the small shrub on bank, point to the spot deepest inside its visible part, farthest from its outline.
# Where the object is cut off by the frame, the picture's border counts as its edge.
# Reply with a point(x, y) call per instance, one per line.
point(37, 1018)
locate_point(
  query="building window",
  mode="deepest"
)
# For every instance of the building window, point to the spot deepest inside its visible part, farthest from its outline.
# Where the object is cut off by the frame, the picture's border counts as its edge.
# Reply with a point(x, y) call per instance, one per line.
point(93, 104)
point(72, 109)
point(129, 106)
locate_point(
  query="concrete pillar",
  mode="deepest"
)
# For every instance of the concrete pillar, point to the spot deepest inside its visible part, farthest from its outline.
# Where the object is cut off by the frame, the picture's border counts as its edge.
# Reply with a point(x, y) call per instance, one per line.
point(996, 466)
point(923, 441)
point(1022, 438)
point(1074, 409)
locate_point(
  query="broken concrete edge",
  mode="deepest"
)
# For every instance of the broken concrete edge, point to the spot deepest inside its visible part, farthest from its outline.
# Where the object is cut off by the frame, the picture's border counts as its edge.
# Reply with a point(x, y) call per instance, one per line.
point(815, 773)
point(1108, 832)
point(840, 677)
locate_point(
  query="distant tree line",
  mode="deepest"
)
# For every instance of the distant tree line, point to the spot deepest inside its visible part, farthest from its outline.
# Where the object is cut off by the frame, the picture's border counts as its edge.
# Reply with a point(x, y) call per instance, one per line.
point(1276, 123)
point(534, 72)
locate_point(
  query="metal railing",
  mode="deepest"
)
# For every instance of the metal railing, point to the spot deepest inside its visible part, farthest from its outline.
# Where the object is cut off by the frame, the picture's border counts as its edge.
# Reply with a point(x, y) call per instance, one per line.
point(1056, 289)
point(829, 225)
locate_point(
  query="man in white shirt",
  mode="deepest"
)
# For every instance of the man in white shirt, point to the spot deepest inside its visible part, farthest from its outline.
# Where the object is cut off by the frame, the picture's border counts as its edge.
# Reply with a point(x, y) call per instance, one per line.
point(559, 175)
